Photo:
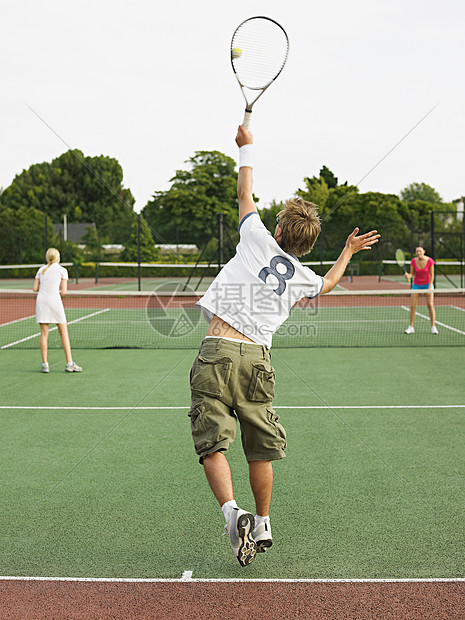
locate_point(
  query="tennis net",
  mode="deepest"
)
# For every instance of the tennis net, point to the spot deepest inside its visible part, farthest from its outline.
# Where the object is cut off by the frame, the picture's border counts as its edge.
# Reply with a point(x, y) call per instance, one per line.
point(168, 320)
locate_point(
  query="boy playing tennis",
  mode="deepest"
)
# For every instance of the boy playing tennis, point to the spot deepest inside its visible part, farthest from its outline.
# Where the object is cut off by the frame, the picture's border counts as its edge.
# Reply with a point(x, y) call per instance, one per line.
point(231, 378)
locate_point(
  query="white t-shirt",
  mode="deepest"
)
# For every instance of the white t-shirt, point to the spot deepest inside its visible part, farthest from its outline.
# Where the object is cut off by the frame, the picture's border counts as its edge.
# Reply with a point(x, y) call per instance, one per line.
point(255, 290)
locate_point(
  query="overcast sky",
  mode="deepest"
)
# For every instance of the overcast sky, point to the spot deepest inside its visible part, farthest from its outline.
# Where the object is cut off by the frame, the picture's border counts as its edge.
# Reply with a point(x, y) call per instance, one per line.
point(150, 82)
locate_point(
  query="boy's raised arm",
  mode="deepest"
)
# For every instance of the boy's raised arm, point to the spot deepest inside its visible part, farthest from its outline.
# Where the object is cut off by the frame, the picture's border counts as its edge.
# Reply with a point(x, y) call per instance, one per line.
point(244, 141)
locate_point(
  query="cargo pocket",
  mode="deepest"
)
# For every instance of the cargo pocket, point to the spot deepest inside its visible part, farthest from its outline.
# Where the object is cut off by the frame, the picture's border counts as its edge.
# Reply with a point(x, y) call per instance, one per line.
point(273, 418)
point(261, 388)
point(209, 376)
point(198, 426)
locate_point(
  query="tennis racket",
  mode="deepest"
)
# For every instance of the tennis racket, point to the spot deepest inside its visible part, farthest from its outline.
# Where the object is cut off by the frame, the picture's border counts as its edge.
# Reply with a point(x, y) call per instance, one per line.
point(259, 49)
point(400, 259)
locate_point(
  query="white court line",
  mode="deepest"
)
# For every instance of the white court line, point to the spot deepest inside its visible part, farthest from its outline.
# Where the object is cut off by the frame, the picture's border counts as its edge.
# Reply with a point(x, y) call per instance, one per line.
point(423, 316)
point(82, 318)
point(17, 320)
point(195, 580)
point(149, 408)
point(458, 308)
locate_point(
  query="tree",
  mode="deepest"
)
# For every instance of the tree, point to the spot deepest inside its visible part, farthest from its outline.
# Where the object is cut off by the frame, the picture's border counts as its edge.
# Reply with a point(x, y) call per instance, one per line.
point(187, 212)
point(269, 214)
point(148, 251)
point(420, 191)
point(86, 189)
point(316, 191)
point(371, 211)
point(22, 235)
point(329, 178)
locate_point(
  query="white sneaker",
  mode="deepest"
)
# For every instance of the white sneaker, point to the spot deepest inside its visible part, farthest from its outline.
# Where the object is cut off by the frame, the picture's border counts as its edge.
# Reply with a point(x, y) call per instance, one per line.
point(239, 528)
point(434, 330)
point(262, 536)
point(410, 330)
point(45, 368)
point(73, 367)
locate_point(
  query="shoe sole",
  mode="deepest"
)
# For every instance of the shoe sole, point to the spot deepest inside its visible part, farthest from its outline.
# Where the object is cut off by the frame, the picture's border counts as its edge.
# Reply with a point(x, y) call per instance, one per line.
point(247, 548)
point(263, 545)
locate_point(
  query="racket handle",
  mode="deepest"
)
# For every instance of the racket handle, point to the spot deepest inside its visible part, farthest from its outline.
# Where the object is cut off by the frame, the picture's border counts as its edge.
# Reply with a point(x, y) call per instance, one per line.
point(247, 116)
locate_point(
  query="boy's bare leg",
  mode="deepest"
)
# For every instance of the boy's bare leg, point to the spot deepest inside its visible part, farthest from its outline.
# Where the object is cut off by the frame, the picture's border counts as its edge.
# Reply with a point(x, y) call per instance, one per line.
point(219, 476)
point(261, 482)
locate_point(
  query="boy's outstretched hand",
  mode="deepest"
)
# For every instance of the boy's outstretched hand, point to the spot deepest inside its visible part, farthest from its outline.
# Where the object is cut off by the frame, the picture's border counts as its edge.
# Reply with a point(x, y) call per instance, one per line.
point(364, 242)
point(243, 136)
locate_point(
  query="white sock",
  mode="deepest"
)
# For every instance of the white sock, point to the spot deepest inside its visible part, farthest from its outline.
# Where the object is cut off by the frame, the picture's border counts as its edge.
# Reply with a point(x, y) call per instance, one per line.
point(227, 507)
point(259, 519)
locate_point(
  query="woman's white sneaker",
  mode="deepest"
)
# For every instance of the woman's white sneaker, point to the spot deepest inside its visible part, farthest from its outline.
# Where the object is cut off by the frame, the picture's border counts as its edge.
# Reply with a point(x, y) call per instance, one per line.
point(72, 367)
point(410, 330)
point(45, 368)
point(434, 330)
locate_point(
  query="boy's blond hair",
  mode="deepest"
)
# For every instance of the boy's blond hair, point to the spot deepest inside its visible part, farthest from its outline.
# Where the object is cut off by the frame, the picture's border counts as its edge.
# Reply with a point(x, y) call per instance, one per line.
point(301, 226)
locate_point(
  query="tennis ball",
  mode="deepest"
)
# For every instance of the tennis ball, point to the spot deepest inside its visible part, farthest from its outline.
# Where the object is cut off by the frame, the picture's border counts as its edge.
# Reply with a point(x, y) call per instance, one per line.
point(237, 52)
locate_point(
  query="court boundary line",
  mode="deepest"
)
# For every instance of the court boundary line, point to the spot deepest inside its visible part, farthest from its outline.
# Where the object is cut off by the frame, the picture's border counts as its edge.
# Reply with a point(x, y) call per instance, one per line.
point(24, 318)
point(186, 407)
point(190, 579)
point(82, 318)
point(423, 316)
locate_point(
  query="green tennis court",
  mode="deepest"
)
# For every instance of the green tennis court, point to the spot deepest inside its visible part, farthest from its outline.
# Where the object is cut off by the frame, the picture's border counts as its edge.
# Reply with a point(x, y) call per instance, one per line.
point(100, 479)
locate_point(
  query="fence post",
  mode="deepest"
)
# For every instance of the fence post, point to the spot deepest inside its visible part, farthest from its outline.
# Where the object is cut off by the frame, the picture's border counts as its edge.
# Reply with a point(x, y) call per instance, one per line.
point(138, 253)
point(433, 242)
point(412, 240)
point(220, 241)
point(45, 234)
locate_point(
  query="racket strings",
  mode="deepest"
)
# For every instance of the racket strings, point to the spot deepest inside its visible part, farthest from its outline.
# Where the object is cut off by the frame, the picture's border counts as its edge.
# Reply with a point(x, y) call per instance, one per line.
point(264, 47)
point(400, 258)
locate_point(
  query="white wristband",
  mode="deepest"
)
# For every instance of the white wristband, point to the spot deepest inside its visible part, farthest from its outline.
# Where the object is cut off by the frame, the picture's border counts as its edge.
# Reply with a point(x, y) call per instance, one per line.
point(246, 156)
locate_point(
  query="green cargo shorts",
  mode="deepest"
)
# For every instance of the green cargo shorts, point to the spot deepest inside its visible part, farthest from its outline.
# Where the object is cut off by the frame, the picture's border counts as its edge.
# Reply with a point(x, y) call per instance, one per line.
point(233, 381)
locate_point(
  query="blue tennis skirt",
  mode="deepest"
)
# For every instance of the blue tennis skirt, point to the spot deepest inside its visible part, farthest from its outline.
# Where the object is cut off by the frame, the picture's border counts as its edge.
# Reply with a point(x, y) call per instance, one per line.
point(421, 287)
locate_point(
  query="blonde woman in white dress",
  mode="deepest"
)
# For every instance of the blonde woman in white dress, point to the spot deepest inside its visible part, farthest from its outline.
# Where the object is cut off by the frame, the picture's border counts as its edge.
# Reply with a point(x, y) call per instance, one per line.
point(51, 284)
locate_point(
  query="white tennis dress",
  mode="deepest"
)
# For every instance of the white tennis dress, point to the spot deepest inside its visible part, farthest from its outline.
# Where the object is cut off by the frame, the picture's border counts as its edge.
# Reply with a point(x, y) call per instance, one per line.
point(49, 306)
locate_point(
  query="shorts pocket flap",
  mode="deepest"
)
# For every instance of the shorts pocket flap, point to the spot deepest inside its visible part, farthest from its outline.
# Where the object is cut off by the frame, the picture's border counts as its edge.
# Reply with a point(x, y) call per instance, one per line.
point(261, 388)
point(209, 376)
